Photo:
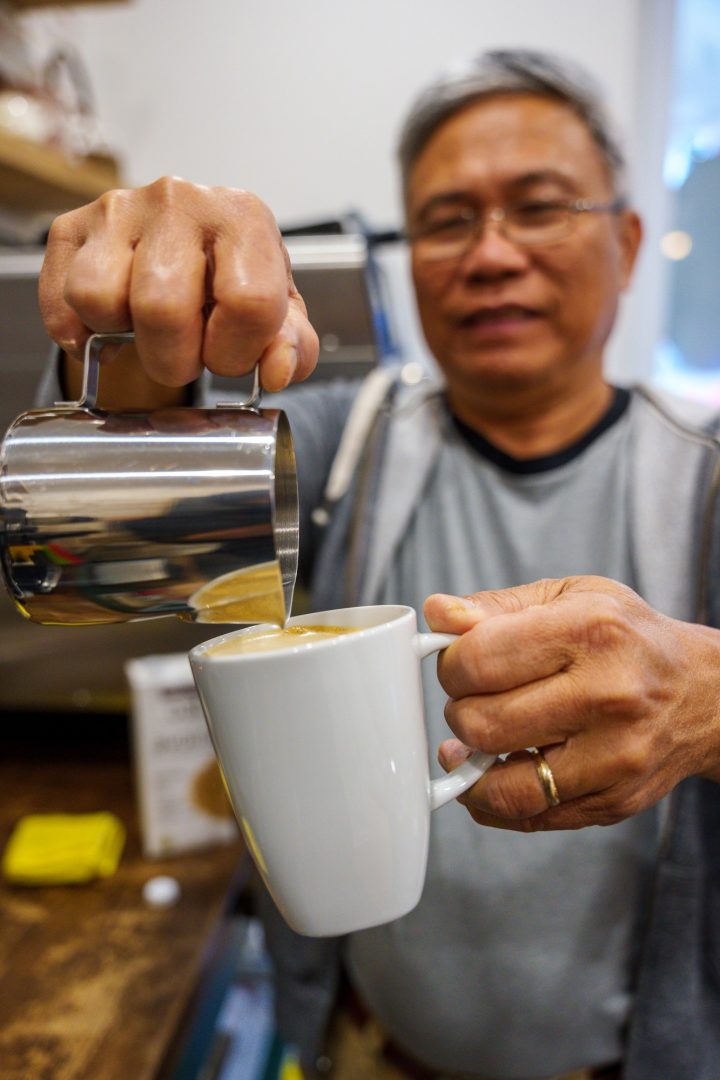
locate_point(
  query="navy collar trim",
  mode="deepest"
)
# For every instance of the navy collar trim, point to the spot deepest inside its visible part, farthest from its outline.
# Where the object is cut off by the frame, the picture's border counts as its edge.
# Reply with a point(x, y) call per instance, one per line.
point(526, 466)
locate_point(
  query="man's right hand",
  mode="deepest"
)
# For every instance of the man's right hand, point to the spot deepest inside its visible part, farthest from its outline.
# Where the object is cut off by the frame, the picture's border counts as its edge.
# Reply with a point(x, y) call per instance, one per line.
point(200, 275)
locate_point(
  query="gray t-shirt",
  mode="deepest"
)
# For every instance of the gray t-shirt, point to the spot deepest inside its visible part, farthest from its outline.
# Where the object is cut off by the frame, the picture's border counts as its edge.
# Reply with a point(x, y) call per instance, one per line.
point(520, 954)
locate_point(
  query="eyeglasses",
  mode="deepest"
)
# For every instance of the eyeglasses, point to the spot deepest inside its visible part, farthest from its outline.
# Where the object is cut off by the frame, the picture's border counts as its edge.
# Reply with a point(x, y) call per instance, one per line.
point(530, 224)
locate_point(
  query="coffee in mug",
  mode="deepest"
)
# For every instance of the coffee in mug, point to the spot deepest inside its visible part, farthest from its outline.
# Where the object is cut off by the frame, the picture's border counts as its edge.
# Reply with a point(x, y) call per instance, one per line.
point(275, 638)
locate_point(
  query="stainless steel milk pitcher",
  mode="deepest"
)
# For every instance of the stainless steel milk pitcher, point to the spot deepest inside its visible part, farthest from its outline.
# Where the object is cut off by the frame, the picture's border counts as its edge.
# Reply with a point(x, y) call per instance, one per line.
point(108, 517)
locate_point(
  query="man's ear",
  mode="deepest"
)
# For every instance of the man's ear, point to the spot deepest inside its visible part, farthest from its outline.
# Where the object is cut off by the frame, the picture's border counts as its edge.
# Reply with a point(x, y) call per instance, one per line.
point(630, 234)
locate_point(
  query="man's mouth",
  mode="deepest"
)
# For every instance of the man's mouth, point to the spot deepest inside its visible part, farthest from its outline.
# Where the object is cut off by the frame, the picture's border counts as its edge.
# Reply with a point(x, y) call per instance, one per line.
point(504, 315)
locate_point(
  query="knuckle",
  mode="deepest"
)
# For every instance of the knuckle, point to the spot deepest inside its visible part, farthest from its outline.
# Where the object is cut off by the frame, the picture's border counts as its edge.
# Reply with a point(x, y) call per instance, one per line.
point(85, 297)
point(173, 196)
point(612, 806)
point(632, 758)
point(238, 208)
point(64, 228)
point(246, 199)
point(492, 733)
point(469, 724)
point(607, 626)
point(210, 206)
point(91, 299)
point(260, 309)
point(168, 191)
point(463, 667)
point(623, 697)
point(246, 204)
point(113, 204)
point(613, 692)
point(631, 805)
point(530, 825)
point(505, 799)
point(298, 304)
point(159, 309)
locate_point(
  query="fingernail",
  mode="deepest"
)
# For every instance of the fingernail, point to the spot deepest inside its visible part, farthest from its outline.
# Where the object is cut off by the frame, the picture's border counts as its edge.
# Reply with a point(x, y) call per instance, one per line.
point(70, 348)
point(290, 358)
point(462, 603)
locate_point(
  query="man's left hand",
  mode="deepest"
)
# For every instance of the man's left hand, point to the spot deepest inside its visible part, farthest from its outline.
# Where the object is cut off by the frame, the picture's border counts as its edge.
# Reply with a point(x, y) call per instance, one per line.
point(623, 702)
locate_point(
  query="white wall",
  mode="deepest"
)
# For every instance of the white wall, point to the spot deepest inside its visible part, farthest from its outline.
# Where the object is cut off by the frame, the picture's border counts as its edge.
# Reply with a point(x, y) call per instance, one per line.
point(302, 102)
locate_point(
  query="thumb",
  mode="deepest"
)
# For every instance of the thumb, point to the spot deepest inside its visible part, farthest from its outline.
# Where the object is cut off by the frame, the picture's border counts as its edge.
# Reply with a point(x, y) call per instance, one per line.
point(458, 614)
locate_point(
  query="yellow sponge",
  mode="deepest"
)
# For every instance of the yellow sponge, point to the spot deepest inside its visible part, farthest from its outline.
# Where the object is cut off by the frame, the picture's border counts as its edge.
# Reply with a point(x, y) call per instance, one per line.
point(61, 849)
point(290, 1070)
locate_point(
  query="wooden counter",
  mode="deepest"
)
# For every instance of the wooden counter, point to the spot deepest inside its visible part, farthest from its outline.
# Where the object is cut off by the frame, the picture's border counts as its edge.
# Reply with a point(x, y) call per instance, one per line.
point(94, 984)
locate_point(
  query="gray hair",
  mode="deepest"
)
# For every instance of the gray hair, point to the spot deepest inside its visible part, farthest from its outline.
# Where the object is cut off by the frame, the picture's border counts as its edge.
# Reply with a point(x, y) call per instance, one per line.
point(511, 71)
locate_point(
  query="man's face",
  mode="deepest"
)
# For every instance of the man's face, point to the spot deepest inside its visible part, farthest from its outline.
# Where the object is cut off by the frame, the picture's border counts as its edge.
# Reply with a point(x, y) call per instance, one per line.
point(503, 315)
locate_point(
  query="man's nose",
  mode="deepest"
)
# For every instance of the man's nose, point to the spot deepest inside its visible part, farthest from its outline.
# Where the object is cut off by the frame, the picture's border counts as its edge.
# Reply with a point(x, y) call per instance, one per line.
point(490, 252)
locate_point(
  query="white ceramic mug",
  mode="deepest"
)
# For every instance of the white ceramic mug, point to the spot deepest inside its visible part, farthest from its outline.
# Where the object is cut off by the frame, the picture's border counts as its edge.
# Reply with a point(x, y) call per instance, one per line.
point(324, 754)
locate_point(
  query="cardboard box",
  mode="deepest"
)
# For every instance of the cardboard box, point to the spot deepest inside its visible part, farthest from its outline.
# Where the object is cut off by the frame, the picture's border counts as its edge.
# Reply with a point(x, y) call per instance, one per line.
point(182, 799)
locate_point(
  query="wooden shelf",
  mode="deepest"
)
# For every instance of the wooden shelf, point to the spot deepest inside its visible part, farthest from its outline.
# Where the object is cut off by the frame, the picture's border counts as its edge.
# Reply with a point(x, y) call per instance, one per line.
point(39, 178)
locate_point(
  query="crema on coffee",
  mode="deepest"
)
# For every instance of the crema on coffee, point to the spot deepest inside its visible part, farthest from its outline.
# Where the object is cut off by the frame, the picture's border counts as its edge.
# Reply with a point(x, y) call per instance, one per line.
point(275, 638)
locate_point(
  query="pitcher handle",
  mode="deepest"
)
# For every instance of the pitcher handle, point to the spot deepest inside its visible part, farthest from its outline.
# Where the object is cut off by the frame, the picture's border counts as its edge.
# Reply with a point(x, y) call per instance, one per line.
point(91, 375)
point(91, 369)
point(253, 402)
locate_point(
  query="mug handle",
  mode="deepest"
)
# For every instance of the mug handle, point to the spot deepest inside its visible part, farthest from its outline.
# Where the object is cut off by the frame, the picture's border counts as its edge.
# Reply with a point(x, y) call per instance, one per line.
point(460, 779)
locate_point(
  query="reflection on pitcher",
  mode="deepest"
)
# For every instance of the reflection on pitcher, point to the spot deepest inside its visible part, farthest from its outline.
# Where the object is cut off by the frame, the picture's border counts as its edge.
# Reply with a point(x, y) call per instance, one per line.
point(110, 517)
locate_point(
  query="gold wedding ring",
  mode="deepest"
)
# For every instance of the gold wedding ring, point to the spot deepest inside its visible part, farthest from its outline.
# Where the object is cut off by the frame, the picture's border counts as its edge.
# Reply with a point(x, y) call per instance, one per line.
point(545, 775)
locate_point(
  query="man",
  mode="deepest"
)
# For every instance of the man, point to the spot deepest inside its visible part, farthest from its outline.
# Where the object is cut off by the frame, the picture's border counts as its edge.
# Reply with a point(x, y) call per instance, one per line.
point(535, 951)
